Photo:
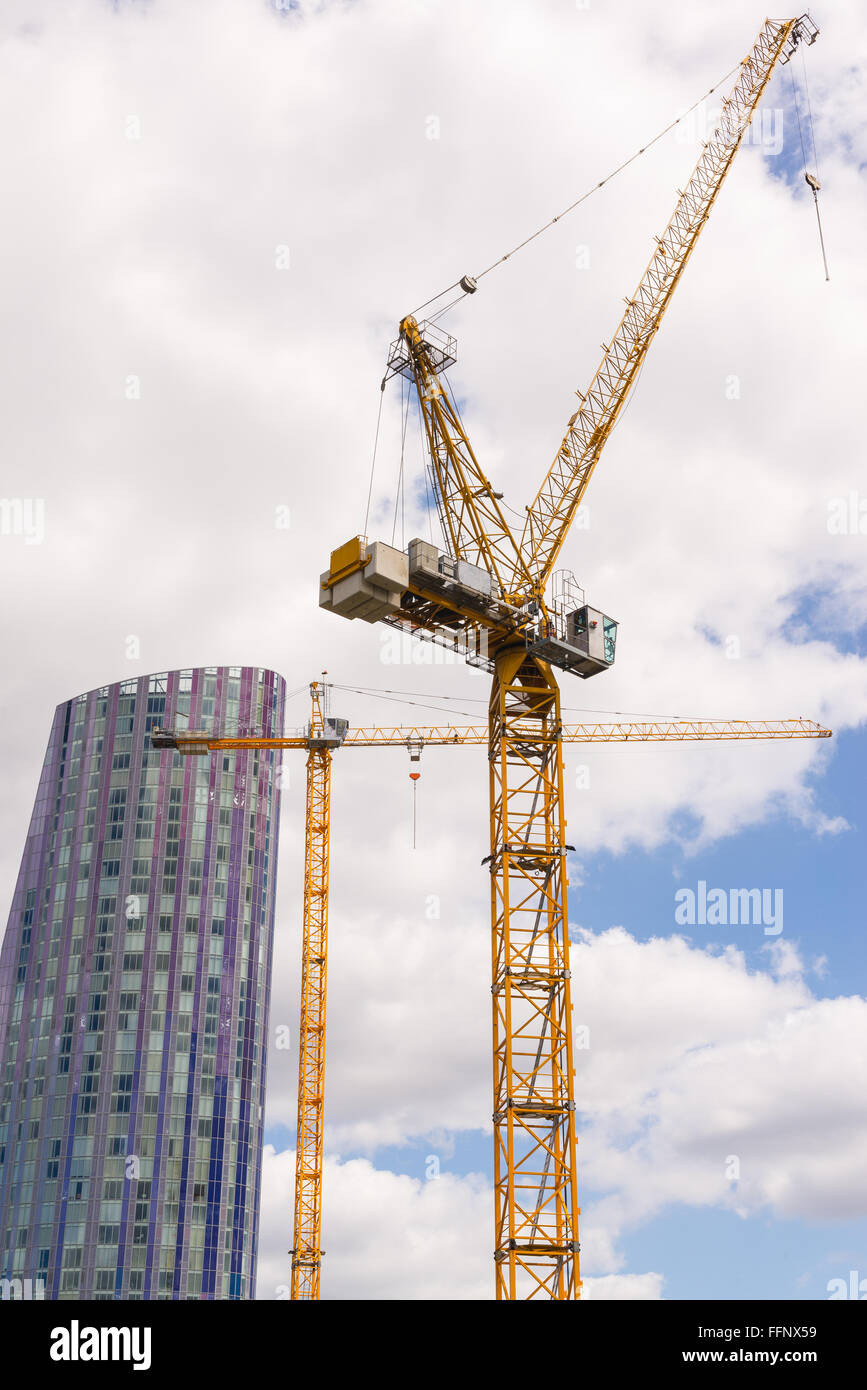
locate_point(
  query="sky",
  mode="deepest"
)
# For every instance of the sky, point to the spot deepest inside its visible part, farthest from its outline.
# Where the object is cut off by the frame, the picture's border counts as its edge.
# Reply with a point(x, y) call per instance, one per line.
point(217, 216)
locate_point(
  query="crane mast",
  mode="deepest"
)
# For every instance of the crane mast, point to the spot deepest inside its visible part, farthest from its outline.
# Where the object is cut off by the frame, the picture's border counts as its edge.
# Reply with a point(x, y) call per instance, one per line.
point(307, 1249)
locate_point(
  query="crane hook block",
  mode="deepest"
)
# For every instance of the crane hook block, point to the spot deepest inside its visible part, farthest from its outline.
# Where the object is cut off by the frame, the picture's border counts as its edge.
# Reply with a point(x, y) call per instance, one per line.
point(468, 284)
point(813, 182)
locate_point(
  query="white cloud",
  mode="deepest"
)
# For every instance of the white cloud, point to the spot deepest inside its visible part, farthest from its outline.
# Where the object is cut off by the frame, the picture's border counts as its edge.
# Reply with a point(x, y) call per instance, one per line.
point(696, 1061)
point(404, 1016)
point(386, 1236)
point(705, 1083)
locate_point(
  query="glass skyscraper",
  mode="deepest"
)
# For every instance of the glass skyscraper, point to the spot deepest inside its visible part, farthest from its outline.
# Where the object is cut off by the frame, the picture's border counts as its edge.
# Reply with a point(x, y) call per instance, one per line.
point(134, 995)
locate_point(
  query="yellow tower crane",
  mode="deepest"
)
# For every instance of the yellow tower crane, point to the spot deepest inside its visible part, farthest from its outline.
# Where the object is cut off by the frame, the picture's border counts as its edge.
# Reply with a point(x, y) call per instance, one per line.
point(487, 595)
point(323, 736)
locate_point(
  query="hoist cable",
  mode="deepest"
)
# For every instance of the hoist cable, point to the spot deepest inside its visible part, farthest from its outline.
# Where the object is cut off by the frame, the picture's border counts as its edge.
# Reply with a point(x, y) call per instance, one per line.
point(798, 116)
point(414, 787)
point(815, 164)
point(584, 196)
point(813, 184)
point(399, 497)
point(810, 112)
point(373, 460)
point(821, 236)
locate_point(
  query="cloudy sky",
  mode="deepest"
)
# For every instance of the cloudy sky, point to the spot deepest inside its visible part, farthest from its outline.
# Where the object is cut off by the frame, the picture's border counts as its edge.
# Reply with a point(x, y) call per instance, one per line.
point(216, 214)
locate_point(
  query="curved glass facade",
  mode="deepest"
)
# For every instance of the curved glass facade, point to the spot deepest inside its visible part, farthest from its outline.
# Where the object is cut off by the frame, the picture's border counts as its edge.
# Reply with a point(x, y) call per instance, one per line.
point(134, 994)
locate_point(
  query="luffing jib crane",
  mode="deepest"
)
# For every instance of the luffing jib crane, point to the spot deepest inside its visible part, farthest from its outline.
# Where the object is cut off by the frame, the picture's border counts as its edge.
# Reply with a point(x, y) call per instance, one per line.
point(489, 593)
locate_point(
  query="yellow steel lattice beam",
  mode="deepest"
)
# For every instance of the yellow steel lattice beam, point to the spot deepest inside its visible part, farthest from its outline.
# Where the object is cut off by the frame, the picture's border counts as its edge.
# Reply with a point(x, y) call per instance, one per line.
point(307, 1250)
point(535, 1187)
point(473, 521)
point(201, 741)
